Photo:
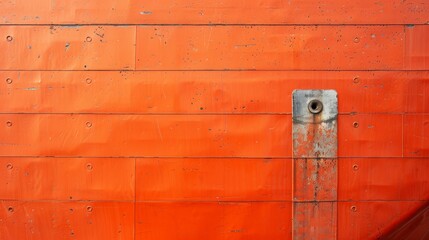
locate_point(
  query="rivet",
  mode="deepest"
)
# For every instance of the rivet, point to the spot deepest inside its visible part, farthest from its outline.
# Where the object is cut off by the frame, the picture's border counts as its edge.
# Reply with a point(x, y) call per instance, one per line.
point(88, 39)
point(9, 38)
point(89, 208)
point(88, 80)
point(355, 167)
point(9, 166)
point(355, 124)
point(9, 80)
point(356, 40)
point(89, 166)
point(9, 123)
point(356, 80)
point(353, 208)
point(10, 209)
point(89, 124)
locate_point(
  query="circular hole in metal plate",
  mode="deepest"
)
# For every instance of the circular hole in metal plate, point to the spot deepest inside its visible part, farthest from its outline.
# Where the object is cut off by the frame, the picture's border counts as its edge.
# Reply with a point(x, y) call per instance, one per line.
point(315, 106)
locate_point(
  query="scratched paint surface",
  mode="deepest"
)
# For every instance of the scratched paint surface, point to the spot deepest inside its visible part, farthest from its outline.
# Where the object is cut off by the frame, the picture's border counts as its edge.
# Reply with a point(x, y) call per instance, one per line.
point(172, 119)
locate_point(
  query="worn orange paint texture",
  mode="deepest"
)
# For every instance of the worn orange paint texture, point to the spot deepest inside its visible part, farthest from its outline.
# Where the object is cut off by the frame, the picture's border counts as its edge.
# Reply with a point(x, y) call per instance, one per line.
point(171, 119)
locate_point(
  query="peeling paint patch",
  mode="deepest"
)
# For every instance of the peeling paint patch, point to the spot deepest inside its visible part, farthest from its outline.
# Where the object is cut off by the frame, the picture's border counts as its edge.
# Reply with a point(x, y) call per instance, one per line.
point(145, 13)
point(314, 141)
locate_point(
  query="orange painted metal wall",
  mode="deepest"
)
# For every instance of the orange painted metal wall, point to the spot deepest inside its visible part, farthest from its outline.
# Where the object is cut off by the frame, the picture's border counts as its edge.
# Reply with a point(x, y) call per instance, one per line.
point(171, 119)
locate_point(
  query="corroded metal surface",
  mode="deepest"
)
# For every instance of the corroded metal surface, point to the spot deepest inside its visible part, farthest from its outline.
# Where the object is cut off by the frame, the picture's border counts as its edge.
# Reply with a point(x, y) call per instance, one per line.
point(314, 133)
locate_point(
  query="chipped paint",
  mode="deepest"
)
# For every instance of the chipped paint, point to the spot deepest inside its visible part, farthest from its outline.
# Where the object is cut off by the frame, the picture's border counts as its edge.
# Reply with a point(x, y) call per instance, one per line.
point(314, 135)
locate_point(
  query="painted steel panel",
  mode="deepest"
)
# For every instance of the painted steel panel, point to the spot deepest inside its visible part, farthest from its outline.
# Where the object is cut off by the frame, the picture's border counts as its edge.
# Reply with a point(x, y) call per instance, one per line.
point(206, 91)
point(377, 179)
point(213, 220)
point(416, 227)
point(186, 135)
point(374, 219)
point(212, 47)
point(144, 135)
point(202, 179)
point(67, 47)
point(417, 48)
point(416, 135)
point(276, 48)
point(66, 220)
point(370, 135)
point(67, 179)
point(214, 12)
point(213, 179)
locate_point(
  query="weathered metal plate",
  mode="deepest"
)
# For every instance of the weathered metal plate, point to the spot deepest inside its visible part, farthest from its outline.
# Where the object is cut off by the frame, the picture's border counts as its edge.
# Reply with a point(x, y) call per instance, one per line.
point(314, 133)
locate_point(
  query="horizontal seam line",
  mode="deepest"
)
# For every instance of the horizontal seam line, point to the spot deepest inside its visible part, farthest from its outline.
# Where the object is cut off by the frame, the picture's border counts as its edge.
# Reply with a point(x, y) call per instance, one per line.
point(216, 70)
point(210, 201)
point(207, 113)
point(213, 24)
point(220, 157)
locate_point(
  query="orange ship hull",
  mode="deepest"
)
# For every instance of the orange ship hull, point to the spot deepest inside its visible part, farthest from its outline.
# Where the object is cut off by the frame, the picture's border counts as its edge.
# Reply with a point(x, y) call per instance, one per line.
point(174, 119)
